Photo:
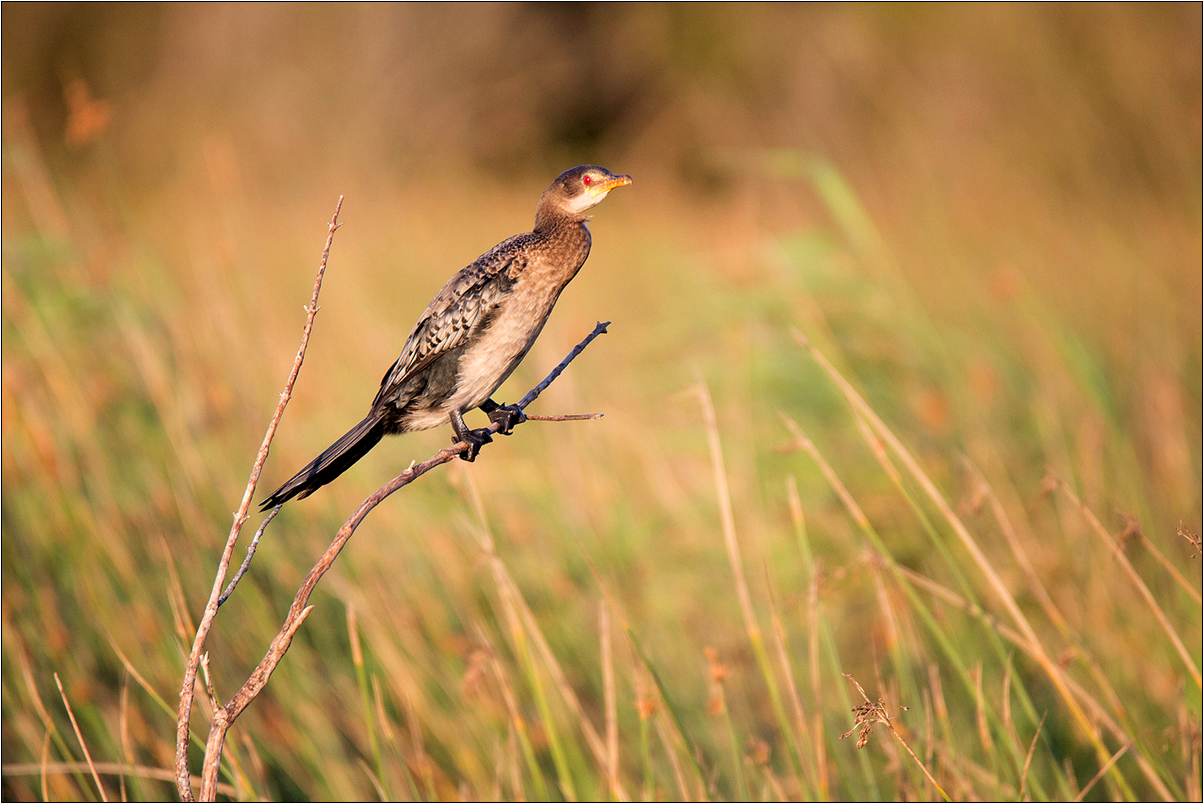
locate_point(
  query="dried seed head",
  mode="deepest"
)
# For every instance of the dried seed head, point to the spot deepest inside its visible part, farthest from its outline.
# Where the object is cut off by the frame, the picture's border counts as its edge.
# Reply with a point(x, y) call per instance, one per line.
point(1192, 538)
point(868, 715)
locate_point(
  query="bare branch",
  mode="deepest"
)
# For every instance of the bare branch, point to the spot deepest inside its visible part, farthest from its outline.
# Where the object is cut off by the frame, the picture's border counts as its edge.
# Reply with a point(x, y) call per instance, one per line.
point(566, 417)
point(246, 562)
point(224, 717)
point(187, 688)
point(533, 394)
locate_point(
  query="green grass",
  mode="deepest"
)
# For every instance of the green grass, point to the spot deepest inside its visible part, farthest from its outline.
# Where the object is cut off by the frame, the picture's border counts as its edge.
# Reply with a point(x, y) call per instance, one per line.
point(883, 507)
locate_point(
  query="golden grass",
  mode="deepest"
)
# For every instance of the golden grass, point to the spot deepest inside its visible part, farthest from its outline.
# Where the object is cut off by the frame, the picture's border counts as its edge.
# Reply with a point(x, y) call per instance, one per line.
point(998, 277)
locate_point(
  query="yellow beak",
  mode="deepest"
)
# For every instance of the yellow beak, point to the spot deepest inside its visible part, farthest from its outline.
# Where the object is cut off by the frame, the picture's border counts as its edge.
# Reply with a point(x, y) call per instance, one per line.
point(611, 183)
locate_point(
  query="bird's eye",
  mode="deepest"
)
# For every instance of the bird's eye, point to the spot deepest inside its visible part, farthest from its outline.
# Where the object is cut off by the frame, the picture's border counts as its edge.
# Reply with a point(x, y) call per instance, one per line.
point(587, 181)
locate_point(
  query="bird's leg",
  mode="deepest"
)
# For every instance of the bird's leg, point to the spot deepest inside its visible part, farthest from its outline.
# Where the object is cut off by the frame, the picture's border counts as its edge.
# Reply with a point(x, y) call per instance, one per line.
point(505, 415)
point(474, 438)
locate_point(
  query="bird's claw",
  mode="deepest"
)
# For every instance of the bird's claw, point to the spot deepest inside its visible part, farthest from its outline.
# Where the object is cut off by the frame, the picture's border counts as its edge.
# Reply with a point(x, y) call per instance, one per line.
point(507, 416)
point(475, 440)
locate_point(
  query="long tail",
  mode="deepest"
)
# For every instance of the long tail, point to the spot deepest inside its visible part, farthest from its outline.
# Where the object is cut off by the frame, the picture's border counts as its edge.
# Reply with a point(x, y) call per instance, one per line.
point(337, 458)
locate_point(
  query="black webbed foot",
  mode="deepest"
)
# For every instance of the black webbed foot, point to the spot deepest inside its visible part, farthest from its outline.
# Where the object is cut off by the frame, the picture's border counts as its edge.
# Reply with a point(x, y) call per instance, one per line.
point(506, 416)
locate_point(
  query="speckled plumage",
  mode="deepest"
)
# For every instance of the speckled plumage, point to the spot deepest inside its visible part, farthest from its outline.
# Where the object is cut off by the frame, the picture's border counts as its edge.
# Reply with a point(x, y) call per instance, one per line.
point(475, 332)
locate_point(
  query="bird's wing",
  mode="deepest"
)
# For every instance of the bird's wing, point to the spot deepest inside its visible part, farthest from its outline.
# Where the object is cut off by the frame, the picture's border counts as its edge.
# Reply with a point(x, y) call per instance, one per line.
point(462, 305)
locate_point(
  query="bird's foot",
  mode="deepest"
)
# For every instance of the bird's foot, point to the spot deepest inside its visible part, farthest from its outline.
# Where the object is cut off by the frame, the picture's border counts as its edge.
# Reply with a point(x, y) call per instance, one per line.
point(475, 440)
point(507, 416)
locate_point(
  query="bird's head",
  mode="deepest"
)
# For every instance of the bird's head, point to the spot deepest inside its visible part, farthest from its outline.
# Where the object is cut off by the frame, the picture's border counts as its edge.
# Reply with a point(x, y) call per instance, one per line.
point(576, 190)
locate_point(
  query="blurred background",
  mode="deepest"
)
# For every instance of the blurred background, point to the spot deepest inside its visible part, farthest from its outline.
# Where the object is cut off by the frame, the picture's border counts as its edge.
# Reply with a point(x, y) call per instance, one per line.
point(988, 218)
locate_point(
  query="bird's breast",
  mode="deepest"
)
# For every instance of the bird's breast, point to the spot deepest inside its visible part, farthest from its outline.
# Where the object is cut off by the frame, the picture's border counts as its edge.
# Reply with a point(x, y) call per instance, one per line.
point(500, 346)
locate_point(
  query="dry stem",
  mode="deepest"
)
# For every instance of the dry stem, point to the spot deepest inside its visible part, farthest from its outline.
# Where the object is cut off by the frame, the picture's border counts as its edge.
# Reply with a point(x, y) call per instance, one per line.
point(79, 736)
point(225, 716)
point(120, 769)
point(187, 688)
point(868, 714)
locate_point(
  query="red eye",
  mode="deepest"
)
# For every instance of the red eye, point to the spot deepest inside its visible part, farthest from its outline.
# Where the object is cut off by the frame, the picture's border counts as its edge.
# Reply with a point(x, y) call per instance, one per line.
point(587, 181)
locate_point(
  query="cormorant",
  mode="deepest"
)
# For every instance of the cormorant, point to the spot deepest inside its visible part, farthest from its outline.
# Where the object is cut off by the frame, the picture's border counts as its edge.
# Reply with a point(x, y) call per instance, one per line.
point(473, 334)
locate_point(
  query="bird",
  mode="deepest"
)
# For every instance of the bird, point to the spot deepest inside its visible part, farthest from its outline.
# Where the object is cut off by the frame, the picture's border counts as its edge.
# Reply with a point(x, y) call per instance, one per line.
point(473, 334)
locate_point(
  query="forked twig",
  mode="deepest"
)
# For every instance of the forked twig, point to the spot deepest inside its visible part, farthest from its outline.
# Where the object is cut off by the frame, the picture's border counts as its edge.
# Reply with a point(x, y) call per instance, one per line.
point(246, 562)
point(188, 687)
point(225, 716)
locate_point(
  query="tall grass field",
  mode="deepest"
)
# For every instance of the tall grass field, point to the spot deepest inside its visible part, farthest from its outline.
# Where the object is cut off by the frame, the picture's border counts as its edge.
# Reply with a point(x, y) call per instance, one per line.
point(897, 490)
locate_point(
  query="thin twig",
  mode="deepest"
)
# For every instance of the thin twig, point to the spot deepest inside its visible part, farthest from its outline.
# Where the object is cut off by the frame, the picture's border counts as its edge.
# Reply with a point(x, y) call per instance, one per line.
point(187, 687)
point(566, 417)
point(246, 562)
point(224, 717)
point(533, 394)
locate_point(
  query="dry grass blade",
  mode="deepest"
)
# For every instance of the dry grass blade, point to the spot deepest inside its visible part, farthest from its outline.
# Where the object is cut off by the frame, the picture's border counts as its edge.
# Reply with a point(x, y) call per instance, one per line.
point(732, 543)
point(987, 492)
point(1028, 759)
point(79, 736)
point(371, 775)
point(1094, 707)
point(648, 704)
point(815, 733)
point(997, 585)
point(512, 596)
point(1100, 773)
point(982, 487)
point(609, 701)
point(123, 730)
point(726, 517)
point(43, 768)
point(1098, 528)
point(980, 711)
point(678, 775)
point(105, 768)
point(779, 639)
point(518, 724)
point(1170, 568)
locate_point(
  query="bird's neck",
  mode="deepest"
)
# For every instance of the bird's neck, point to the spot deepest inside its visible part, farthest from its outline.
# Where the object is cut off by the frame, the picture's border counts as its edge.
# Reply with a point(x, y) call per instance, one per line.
point(549, 218)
